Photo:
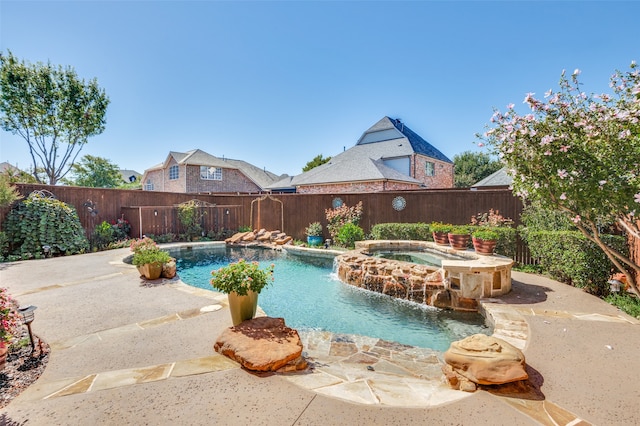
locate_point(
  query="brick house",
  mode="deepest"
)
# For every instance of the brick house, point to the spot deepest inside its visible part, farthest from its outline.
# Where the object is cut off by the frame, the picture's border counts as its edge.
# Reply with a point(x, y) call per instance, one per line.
point(388, 157)
point(196, 171)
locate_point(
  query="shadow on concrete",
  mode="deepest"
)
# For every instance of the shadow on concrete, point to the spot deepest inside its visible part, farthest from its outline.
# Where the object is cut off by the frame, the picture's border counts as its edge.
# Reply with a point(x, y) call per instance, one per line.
point(522, 293)
point(530, 389)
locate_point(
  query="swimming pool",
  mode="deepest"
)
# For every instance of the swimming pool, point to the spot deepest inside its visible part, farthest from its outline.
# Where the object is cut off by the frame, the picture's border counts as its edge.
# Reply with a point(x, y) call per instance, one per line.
point(308, 295)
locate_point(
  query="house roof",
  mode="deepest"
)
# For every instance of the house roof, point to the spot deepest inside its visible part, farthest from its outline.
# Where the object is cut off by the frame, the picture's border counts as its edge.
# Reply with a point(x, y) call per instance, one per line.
point(385, 140)
point(197, 157)
point(384, 130)
point(126, 176)
point(499, 178)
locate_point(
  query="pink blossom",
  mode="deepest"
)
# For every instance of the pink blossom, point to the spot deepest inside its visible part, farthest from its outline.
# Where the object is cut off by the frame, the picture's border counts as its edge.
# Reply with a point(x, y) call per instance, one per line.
point(576, 72)
point(563, 196)
point(565, 148)
point(546, 140)
point(547, 153)
point(480, 144)
point(528, 97)
point(624, 134)
point(636, 197)
point(562, 173)
point(576, 219)
point(548, 93)
point(510, 106)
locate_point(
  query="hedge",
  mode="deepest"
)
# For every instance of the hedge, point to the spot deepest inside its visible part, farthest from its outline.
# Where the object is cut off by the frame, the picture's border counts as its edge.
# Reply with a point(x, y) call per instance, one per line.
point(401, 231)
point(570, 257)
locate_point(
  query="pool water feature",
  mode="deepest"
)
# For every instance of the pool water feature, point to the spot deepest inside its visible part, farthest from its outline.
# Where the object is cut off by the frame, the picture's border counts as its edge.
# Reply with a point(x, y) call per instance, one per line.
point(309, 296)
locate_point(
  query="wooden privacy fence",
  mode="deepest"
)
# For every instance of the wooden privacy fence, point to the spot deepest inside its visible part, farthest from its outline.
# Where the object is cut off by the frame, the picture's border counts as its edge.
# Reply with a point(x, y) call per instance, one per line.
point(152, 212)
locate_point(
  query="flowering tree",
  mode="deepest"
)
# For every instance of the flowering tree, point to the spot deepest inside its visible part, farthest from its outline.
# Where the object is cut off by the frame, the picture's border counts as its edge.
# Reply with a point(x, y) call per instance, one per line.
point(579, 154)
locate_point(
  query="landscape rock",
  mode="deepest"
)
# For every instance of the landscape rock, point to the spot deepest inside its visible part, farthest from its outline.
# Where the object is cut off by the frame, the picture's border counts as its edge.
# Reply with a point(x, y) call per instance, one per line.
point(263, 344)
point(169, 269)
point(485, 360)
point(235, 238)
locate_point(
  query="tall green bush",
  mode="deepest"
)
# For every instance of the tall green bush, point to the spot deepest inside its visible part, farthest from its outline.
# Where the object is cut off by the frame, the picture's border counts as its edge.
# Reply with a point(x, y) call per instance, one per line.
point(39, 221)
point(570, 257)
point(348, 234)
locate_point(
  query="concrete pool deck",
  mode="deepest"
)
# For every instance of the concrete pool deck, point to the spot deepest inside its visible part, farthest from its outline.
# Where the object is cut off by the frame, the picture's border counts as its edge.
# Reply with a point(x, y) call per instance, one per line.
point(128, 352)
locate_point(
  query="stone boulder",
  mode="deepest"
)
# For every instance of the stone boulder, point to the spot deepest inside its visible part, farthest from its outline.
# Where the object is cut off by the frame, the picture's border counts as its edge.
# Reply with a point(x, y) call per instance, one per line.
point(263, 344)
point(485, 360)
point(169, 269)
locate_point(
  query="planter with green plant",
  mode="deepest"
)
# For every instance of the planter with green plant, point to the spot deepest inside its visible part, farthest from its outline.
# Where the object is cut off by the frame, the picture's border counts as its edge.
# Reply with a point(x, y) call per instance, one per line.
point(459, 237)
point(242, 281)
point(148, 257)
point(484, 241)
point(440, 232)
point(314, 234)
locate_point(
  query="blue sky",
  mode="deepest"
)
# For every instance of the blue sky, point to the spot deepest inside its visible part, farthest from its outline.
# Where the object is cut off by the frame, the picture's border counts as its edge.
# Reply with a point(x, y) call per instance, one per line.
point(277, 83)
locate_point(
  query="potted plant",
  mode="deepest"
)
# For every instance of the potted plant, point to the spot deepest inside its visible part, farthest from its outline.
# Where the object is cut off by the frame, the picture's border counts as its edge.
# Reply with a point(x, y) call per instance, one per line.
point(242, 281)
point(459, 237)
point(440, 232)
point(148, 257)
point(9, 320)
point(314, 234)
point(484, 241)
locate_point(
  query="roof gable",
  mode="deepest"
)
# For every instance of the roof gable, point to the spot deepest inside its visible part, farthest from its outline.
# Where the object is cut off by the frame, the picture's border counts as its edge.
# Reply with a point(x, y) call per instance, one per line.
point(389, 129)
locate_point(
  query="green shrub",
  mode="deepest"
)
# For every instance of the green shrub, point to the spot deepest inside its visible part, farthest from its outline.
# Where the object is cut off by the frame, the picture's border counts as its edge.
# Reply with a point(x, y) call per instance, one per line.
point(39, 221)
point(103, 234)
point(440, 227)
point(460, 230)
point(348, 234)
point(570, 257)
point(4, 246)
point(536, 218)
point(626, 302)
point(401, 231)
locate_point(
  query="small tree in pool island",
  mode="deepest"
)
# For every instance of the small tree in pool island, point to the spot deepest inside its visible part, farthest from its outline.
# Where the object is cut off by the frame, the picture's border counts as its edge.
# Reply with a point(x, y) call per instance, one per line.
point(579, 154)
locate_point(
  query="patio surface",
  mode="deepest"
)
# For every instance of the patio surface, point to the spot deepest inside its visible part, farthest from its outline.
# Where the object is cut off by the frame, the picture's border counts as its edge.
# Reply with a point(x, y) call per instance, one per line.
point(127, 352)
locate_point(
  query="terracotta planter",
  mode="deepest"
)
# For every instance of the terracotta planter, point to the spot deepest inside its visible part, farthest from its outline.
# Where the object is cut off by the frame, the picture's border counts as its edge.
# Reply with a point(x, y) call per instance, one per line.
point(459, 242)
point(151, 271)
point(3, 354)
point(484, 247)
point(242, 307)
point(440, 238)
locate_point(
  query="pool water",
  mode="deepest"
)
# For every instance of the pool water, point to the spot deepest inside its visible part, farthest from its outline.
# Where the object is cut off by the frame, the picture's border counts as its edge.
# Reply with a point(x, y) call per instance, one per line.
point(308, 295)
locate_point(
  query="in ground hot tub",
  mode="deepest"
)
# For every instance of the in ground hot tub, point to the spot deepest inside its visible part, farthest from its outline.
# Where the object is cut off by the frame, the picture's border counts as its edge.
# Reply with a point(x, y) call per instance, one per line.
point(462, 278)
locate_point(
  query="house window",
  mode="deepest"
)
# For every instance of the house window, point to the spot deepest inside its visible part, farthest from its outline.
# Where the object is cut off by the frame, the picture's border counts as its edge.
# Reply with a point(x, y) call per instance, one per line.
point(210, 173)
point(430, 168)
point(174, 172)
point(148, 186)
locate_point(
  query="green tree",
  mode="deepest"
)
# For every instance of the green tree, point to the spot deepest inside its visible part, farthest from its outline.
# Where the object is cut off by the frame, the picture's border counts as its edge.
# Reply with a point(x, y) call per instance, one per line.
point(579, 154)
point(95, 172)
point(8, 192)
point(318, 160)
point(52, 109)
point(471, 167)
